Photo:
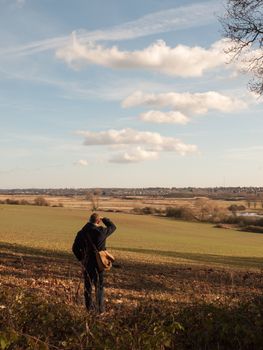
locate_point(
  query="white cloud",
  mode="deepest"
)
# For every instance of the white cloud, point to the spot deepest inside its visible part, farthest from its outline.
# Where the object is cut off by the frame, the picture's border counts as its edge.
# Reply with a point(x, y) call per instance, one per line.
point(173, 19)
point(182, 60)
point(171, 117)
point(123, 136)
point(196, 103)
point(156, 143)
point(171, 144)
point(82, 162)
point(134, 156)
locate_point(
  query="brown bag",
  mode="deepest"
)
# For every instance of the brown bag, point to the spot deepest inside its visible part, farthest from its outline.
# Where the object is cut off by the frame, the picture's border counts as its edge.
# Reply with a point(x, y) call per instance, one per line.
point(104, 260)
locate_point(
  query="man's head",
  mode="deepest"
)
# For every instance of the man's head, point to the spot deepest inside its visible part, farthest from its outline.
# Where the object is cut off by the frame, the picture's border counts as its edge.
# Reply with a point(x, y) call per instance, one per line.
point(94, 218)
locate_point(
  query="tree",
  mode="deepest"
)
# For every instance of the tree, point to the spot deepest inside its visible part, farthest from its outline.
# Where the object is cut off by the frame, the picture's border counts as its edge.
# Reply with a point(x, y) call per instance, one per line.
point(248, 201)
point(94, 198)
point(243, 25)
point(233, 208)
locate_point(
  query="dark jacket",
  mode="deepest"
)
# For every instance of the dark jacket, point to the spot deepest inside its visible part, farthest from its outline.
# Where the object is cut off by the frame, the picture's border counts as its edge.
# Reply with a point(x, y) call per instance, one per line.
point(82, 248)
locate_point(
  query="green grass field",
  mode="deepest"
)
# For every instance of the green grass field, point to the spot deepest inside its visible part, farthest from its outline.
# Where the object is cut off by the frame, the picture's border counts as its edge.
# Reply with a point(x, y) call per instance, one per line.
point(55, 228)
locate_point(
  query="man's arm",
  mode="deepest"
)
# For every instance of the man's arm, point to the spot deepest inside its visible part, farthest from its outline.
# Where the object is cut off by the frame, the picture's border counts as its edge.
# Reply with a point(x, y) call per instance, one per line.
point(110, 227)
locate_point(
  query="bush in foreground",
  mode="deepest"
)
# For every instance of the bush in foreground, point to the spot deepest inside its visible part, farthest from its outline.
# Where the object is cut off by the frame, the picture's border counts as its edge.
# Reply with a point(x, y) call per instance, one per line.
point(32, 322)
point(208, 326)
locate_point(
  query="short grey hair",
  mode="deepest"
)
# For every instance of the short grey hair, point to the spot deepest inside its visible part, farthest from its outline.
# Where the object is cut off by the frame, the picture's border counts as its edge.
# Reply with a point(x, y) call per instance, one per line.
point(94, 218)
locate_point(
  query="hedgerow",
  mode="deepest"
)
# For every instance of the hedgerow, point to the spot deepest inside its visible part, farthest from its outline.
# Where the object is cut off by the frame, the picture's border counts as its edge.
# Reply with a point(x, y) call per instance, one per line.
point(30, 321)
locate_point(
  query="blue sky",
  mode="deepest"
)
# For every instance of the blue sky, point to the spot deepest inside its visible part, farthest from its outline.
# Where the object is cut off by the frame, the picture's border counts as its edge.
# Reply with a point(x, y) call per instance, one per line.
point(123, 94)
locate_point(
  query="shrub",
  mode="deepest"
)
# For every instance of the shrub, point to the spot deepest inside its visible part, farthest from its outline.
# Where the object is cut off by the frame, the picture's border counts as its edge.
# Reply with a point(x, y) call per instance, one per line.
point(183, 213)
point(159, 211)
point(147, 211)
point(12, 201)
point(24, 202)
point(208, 326)
point(241, 207)
point(28, 321)
point(233, 219)
point(235, 208)
point(253, 228)
point(41, 201)
point(248, 223)
point(59, 205)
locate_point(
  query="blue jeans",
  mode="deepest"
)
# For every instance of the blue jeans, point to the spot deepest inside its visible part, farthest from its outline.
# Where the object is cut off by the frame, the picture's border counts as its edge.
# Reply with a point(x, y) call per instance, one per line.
point(93, 277)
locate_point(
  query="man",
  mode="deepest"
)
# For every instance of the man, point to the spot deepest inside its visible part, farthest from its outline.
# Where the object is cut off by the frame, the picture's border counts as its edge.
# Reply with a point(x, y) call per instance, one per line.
point(92, 234)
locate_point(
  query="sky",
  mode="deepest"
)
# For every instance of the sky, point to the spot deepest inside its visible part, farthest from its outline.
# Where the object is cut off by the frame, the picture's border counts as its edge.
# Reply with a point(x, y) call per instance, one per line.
point(118, 93)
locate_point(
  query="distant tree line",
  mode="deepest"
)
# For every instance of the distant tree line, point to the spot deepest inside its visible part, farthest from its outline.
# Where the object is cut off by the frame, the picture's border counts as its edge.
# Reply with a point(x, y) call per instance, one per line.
point(208, 211)
point(38, 201)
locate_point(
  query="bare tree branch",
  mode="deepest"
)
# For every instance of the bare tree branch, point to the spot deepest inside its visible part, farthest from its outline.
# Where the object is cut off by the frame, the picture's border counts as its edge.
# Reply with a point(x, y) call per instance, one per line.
point(243, 25)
